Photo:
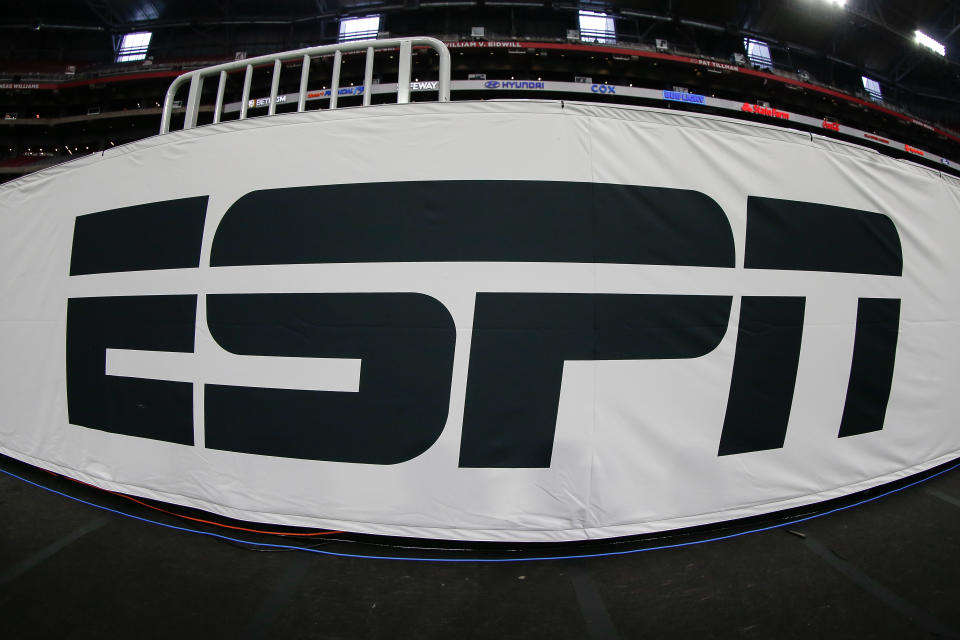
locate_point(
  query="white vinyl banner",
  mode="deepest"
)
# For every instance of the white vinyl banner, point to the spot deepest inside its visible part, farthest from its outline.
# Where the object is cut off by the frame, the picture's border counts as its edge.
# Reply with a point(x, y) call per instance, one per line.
point(517, 320)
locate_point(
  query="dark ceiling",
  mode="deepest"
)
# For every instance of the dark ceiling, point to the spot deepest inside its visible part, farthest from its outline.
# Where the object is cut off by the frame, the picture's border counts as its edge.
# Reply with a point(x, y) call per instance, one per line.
point(875, 36)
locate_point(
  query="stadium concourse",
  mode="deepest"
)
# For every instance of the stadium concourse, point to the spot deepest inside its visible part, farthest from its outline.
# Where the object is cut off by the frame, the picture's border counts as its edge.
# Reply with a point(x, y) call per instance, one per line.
point(687, 366)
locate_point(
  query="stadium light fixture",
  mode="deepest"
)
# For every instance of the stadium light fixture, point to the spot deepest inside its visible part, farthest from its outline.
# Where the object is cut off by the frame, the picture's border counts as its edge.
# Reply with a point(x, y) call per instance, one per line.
point(926, 41)
point(134, 46)
point(365, 28)
point(597, 27)
point(758, 52)
point(872, 87)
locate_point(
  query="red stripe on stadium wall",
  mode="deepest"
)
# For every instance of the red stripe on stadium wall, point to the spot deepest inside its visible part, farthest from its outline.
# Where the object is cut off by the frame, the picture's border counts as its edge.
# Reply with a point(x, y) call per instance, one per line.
point(569, 47)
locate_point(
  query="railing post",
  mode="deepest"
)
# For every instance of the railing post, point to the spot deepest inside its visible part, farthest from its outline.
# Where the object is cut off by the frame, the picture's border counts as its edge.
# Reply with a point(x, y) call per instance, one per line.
point(368, 78)
point(335, 81)
point(245, 97)
point(193, 101)
point(274, 87)
point(304, 77)
point(221, 87)
point(444, 72)
point(168, 105)
point(403, 75)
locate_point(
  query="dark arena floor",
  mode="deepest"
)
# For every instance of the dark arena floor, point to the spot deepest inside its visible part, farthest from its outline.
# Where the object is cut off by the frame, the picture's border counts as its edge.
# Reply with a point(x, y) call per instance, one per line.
point(884, 564)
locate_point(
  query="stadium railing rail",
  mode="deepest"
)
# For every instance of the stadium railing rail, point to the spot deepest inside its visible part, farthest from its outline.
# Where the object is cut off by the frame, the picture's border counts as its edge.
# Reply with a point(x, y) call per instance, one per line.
point(406, 45)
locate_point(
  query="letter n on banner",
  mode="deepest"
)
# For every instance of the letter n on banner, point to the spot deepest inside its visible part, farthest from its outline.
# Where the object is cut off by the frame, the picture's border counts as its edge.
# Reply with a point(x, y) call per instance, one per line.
point(805, 236)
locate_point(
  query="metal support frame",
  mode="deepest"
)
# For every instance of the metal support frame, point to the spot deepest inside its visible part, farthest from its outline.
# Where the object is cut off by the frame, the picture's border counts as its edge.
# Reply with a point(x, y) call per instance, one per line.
point(335, 80)
point(105, 11)
point(247, 79)
point(221, 87)
point(274, 87)
point(406, 45)
point(304, 76)
point(368, 78)
point(193, 102)
point(403, 75)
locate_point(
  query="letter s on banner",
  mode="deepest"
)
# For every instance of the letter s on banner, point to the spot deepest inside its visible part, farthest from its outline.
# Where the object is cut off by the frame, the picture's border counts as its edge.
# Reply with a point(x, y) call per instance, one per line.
point(405, 342)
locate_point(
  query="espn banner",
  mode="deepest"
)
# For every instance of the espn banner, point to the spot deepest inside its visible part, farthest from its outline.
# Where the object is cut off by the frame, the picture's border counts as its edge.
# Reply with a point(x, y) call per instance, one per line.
point(524, 321)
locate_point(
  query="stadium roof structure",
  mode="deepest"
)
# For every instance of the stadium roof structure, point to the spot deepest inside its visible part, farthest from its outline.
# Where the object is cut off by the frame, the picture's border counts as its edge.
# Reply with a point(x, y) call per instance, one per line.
point(875, 36)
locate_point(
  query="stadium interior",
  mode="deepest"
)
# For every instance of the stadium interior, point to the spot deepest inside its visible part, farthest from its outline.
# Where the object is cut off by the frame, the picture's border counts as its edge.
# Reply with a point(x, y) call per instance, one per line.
point(78, 77)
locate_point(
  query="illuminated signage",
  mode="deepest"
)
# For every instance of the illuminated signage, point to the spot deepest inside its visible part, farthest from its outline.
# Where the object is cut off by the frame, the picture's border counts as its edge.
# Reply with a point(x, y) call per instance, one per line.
point(264, 102)
point(513, 84)
point(832, 126)
point(714, 65)
point(913, 150)
point(764, 111)
point(483, 44)
point(603, 88)
point(870, 136)
point(678, 96)
point(424, 86)
point(19, 85)
point(343, 91)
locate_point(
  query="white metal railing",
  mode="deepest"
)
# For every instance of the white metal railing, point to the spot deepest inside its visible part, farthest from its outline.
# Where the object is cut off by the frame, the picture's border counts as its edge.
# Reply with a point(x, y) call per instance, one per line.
point(405, 45)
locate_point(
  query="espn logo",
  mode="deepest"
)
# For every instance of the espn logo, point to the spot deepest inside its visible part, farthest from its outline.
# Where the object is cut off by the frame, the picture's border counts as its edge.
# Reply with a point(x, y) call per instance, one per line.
point(406, 340)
